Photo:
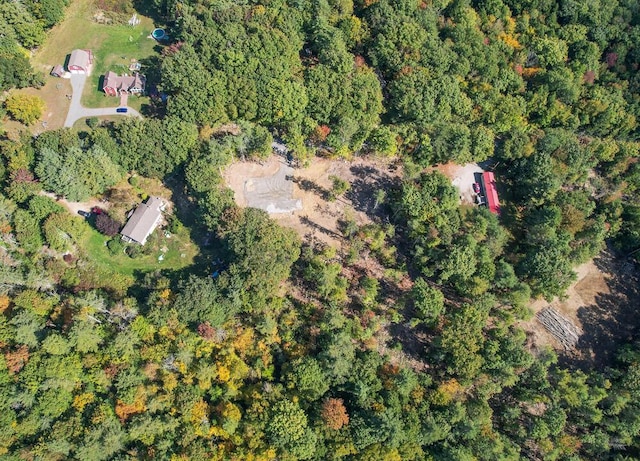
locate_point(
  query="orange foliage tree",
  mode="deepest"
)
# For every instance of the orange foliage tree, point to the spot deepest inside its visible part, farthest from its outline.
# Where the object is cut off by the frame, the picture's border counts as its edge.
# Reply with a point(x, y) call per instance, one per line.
point(334, 414)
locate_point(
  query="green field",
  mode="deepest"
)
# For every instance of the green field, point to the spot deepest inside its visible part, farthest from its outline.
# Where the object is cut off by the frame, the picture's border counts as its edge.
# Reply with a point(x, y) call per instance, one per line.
point(179, 253)
point(113, 47)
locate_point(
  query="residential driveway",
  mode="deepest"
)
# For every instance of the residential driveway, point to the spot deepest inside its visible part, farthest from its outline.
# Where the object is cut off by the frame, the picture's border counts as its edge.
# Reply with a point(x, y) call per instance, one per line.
point(77, 111)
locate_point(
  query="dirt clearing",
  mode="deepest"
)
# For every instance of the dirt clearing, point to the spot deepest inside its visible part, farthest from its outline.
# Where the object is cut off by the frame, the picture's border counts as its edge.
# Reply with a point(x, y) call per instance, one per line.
point(601, 304)
point(463, 177)
point(307, 207)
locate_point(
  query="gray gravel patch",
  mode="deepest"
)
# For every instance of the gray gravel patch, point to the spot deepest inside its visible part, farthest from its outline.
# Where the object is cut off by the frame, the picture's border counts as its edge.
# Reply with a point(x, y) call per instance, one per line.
point(273, 194)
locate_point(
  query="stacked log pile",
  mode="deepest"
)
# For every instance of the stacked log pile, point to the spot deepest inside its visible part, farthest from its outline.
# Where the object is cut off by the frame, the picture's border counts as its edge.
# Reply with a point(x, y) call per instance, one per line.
point(560, 327)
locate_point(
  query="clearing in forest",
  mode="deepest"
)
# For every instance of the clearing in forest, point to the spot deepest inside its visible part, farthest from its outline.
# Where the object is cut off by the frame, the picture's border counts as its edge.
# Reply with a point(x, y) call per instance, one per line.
point(313, 213)
point(600, 304)
point(463, 177)
point(163, 250)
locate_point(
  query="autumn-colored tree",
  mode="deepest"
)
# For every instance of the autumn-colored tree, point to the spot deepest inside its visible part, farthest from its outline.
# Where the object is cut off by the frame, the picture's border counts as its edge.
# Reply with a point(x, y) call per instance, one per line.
point(25, 108)
point(125, 410)
point(334, 414)
point(4, 303)
point(107, 225)
point(17, 359)
point(207, 331)
point(321, 132)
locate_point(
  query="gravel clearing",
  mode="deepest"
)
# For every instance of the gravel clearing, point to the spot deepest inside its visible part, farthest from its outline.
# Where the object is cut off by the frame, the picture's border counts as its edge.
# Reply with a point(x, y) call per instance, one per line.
point(273, 194)
point(463, 177)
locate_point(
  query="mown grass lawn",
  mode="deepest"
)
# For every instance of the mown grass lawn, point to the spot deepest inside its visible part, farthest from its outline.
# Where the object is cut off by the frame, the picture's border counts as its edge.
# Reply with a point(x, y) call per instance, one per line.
point(113, 47)
point(180, 252)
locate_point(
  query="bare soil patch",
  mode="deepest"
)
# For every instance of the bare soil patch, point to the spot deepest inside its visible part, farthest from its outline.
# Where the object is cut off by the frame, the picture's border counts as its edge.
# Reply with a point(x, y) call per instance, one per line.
point(601, 304)
point(319, 218)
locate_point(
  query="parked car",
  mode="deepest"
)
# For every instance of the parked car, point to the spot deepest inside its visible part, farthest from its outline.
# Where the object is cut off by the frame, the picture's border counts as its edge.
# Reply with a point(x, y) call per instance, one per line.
point(476, 187)
point(84, 214)
point(122, 110)
point(97, 210)
point(479, 199)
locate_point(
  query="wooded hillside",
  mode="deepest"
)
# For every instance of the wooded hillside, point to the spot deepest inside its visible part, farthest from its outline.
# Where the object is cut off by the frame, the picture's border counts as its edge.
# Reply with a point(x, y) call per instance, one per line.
point(403, 343)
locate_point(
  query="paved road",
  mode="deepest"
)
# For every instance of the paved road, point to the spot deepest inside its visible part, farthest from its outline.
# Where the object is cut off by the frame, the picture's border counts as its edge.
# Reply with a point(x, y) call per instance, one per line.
point(77, 110)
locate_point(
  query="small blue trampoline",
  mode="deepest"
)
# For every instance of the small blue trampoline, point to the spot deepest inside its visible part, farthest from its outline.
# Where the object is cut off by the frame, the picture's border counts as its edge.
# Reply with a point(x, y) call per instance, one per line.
point(159, 34)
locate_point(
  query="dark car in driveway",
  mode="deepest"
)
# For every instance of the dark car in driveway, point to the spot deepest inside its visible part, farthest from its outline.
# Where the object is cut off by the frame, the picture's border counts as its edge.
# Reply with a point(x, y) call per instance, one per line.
point(84, 214)
point(122, 110)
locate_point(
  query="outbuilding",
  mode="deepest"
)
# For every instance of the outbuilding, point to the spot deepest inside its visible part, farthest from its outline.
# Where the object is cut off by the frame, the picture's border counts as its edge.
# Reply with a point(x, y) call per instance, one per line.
point(80, 62)
point(57, 71)
point(491, 192)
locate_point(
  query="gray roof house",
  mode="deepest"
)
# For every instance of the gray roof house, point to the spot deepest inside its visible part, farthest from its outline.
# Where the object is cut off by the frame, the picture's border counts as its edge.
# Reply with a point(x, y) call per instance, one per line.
point(143, 221)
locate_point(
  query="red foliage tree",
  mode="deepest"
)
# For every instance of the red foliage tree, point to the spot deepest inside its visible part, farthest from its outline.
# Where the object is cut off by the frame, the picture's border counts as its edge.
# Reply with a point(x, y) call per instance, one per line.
point(23, 175)
point(107, 225)
point(207, 331)
point(321, 132)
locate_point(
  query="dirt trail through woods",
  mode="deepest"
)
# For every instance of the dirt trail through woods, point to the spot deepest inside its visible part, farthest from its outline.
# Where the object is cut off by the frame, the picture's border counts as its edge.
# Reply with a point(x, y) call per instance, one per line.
point(74, 207)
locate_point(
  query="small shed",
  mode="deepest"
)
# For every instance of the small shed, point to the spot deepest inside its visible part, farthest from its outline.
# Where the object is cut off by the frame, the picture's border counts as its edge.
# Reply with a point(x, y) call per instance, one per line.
point(57, 71)
point(143, 221)
point(80, 62)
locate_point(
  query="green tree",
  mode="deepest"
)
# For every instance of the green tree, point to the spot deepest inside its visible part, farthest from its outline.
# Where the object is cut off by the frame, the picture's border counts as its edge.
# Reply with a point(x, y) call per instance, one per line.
point(262, 251)
point(428, 301)
point(307, 377)
point(27, 230)
point(198, 300)
point(75, 173)
point(288, 430)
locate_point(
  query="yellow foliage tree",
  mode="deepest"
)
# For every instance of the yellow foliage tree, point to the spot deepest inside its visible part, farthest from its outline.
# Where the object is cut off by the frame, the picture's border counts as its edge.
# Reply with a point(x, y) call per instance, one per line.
point(4, 303)
point(446, 392)
point(82, 400)
point(25, 108)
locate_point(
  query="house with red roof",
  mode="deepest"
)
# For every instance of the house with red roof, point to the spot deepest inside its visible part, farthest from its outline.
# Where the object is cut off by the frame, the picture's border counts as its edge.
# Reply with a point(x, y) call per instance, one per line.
point(114, 84)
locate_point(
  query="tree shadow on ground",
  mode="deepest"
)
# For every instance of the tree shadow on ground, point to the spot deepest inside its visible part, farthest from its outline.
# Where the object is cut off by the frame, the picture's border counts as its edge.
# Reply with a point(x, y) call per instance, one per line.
point(310, 186)
point(210, 247)
point(613, 319)
point(307, 222)
point(365, 188)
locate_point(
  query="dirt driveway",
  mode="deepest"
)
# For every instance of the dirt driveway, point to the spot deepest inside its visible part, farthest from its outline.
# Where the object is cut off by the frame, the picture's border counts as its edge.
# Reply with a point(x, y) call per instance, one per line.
point(74, 207)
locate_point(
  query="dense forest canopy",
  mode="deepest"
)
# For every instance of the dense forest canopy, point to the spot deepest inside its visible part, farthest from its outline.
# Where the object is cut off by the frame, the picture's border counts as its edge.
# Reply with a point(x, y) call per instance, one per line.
point(290, 349)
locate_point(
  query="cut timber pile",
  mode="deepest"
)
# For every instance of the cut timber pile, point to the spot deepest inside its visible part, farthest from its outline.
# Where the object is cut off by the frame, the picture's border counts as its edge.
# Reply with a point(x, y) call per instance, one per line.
point(560, 327)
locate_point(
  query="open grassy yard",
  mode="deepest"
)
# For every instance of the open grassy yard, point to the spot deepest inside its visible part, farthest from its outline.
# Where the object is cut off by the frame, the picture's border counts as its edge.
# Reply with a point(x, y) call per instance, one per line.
point(113, 46)
point(177, 250)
